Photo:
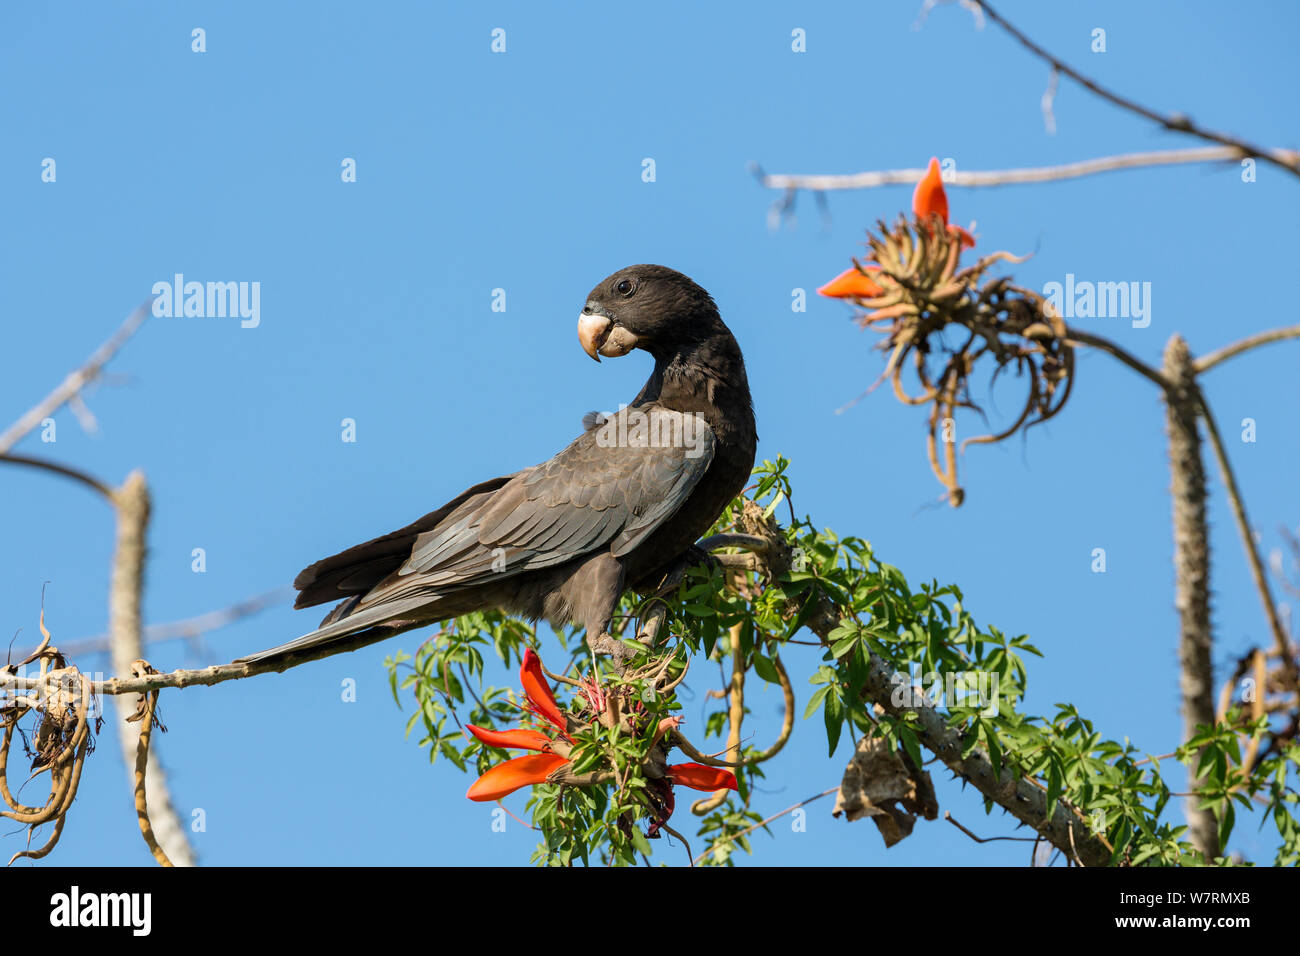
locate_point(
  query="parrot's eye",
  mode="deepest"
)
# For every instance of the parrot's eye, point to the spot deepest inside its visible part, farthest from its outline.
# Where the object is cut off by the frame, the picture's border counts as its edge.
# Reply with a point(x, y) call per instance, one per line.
point(625, 287)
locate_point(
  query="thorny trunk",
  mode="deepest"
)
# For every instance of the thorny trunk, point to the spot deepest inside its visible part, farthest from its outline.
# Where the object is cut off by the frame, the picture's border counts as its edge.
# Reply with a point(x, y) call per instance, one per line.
point(124, 629)
point(1192, 571)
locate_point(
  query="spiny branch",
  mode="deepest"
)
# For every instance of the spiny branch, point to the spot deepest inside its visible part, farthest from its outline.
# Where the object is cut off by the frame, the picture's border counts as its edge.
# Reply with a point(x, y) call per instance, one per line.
point(1019, 796)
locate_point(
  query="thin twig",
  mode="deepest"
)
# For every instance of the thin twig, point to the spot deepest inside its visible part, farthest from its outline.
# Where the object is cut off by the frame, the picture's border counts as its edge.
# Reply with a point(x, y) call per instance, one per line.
point(731, 838)
point(188, 628)
point(216, 674)
point(1250, 342)
point(76, 381)
point(1175, 122)
point(667, 829)
point(89, 480)
point(979, 839)
point(1238, 504)
point(1078, 336)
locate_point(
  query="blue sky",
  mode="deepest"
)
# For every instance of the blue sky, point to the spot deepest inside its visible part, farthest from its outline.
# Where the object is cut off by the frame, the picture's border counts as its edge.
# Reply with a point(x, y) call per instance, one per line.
point(522, 171)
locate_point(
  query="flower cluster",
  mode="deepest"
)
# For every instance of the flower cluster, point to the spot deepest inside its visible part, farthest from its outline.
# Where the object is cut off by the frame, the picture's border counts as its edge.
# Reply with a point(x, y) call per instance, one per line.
point(553, 742)
point(929, 205)
point(914, 289)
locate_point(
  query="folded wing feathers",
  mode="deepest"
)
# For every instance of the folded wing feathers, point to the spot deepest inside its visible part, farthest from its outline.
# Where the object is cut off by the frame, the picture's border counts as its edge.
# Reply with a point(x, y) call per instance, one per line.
point(589, 496)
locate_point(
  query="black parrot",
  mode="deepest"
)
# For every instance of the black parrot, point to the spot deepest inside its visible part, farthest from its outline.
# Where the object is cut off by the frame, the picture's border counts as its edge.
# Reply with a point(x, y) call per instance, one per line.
point(618, 507)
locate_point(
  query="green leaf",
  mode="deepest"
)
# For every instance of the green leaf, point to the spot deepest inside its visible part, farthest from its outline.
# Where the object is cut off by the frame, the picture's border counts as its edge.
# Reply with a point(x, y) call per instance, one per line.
point(639, 841)
point(1054, 785)
point(907, 737)
point(834, 714)
point(815, 702)
point(994, 748)
point(765, 669)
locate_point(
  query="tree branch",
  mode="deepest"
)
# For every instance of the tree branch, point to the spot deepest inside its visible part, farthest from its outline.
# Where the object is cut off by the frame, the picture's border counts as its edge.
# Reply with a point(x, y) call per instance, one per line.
point(1245, 345)
point(207, 676)
point(1238, 503)
point(1191, 571)
point(1023, 798)
point(829, 182)
point(1078, 336)
point(76, 381)
point(1175, 122)
point(186, 629)
point(88, 480)
point(125, 590)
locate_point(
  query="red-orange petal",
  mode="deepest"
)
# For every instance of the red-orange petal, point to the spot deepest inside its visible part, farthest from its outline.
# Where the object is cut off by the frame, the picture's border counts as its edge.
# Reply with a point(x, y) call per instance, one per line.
point(699, 777)
point(967, 240)
point(516, 739)
point(929, 197)
point(852, 284)
point(538, 691)
point(506, 778)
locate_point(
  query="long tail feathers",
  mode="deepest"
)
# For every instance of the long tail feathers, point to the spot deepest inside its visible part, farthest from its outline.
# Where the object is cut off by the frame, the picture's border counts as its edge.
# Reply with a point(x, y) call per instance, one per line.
point(335, 628)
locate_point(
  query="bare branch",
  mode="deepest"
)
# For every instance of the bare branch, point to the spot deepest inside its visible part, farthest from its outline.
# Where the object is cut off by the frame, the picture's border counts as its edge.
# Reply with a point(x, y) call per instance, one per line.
point(206, 676)
point(1128, 358)
point(188, 628)
point(979, 839)
point(71, 386)
point(1245, 345)
point(1238, 504)
point(1175, 122)
point(88, 480)
point(1005, 177)
point(1049, 118)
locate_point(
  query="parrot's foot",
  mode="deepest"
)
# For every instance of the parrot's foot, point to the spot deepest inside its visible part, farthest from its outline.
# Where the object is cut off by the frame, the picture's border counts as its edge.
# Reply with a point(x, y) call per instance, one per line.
point(611, 647)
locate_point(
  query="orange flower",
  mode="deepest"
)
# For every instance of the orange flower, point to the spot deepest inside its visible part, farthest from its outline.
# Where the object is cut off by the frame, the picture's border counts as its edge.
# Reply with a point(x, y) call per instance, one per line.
point(852, 284)
point(506, 778)
point(699, 777)
point(928, 200)
point(693, 775)
point(512, 739)
point(539, 692)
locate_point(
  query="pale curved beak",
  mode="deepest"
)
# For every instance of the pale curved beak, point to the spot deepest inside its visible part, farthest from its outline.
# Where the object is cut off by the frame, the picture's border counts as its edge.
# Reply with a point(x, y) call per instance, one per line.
point(600, 336)
point(593, 330)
